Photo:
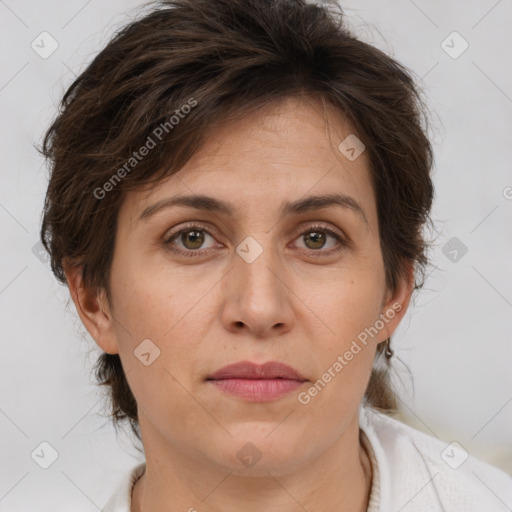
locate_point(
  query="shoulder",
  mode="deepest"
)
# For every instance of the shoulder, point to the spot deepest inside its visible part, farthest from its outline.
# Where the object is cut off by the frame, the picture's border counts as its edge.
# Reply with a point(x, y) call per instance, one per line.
point(421, 472)
point(121, 500)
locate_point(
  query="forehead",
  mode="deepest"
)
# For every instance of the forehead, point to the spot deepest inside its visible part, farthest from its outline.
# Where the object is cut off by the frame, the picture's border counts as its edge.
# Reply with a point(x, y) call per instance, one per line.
point(285, 151)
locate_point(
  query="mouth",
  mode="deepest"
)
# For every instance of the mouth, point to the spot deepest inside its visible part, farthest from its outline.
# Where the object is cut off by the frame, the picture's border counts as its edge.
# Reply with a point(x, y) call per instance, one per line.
point(256, 383)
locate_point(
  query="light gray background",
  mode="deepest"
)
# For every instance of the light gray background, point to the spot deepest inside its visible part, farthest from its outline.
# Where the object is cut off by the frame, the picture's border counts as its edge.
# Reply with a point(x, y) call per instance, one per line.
point(456, 339)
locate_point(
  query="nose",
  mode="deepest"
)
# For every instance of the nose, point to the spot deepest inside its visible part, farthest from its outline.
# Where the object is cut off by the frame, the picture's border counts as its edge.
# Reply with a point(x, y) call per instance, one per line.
point(257, 297)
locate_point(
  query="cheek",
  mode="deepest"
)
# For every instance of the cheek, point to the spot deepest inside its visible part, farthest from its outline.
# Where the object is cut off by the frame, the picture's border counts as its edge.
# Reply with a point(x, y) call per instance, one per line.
point(155, 302)
point(346, 305)
point(152, 304)
point(357, 307)
point(175, 312)
point(345, 352)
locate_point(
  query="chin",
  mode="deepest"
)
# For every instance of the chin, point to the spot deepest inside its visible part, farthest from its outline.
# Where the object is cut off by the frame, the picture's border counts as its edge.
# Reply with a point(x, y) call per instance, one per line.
point(259, 449)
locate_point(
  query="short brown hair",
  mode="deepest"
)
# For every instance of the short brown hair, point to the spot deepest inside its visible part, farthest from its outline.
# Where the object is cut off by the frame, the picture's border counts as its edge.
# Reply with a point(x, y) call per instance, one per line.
point(227, 58)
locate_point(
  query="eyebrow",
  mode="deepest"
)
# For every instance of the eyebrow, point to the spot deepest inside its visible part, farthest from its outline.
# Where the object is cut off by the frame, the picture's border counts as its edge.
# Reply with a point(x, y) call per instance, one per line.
point(203, 202)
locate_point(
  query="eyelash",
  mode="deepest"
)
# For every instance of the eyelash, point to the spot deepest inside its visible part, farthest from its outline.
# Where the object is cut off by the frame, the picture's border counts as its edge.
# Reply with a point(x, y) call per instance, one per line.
point(343, 244)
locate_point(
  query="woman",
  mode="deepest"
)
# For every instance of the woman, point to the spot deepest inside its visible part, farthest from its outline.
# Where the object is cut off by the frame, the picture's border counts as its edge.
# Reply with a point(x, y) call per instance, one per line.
point(236, 203)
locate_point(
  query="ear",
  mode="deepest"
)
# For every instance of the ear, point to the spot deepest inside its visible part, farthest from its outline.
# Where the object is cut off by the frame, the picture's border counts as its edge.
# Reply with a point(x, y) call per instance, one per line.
point(395, 304)
point(93, 309)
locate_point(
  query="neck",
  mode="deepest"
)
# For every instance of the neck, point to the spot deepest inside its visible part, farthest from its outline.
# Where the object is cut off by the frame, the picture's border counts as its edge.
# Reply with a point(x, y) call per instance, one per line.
point(339, 479)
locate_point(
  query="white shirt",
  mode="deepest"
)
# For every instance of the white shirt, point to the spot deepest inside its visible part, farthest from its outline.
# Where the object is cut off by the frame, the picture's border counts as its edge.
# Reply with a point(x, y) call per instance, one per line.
point(411, 472)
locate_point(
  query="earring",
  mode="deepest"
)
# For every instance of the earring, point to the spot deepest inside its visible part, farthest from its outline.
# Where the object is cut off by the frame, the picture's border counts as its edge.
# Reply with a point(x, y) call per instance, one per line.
point(388, 352)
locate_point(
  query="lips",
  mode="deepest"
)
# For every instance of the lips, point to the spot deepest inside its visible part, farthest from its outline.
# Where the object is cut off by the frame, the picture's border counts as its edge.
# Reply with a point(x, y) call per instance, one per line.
point(256, 383)
point(248, 370)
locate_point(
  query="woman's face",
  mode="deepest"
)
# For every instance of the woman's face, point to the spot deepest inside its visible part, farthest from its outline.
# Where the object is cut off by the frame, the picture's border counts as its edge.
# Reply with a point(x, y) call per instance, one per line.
point(257, 280)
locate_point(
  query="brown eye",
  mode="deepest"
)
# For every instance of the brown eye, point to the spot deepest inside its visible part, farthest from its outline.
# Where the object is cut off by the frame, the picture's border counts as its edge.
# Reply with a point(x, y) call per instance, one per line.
point(314, 239)
point(192, 239)
point(317, 238)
